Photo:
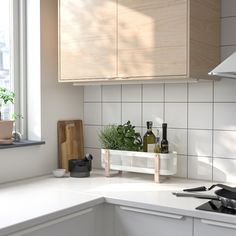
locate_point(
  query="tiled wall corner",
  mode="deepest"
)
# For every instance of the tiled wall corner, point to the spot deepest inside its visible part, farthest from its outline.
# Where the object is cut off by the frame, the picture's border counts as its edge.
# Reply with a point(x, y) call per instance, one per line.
point(201, 116)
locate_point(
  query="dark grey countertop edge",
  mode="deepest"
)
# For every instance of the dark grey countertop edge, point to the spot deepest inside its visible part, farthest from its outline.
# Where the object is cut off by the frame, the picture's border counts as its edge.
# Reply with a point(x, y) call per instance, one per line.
point(22, 143)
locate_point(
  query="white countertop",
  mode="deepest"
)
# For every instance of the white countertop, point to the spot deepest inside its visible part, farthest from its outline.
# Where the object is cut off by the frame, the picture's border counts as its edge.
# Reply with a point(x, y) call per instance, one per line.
point(25, 203)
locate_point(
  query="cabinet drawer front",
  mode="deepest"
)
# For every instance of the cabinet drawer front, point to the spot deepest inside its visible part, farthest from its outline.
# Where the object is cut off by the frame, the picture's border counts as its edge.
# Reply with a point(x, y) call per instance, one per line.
point(213, 228)
point(155, 213)
point(131, 221)
point(66, 225)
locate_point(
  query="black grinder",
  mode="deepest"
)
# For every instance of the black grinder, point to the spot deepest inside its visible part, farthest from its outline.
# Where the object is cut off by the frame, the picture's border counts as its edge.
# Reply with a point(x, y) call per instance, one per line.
point(81, 168)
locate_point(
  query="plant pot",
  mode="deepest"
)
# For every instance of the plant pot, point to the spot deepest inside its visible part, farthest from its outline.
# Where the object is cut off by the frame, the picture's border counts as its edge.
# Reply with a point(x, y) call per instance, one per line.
point(140, 162)
point(6, 128)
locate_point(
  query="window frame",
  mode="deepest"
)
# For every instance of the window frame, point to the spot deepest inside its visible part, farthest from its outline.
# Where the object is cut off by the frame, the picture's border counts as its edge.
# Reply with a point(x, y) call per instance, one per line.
point(18, 23)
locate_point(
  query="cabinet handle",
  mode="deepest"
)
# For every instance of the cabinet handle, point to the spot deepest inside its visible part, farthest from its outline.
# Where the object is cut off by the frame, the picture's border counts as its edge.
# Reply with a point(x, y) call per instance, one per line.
point(217, 223)
point(52, 222)
point(173, 216)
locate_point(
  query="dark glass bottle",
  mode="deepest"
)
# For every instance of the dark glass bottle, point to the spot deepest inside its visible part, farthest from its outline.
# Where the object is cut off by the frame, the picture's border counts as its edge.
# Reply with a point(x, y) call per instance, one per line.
point(149, 139)
point(164, 141)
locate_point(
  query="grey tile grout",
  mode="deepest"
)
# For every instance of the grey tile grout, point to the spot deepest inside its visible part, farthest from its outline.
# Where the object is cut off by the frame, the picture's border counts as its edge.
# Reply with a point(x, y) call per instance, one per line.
point(187, 130)
point(213, 125)
point(216, 102)
point(173, 128)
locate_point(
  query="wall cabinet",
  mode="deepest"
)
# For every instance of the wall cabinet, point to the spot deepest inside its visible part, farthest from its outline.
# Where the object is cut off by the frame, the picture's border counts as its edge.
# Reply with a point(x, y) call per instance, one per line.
point(87, 39)
point(138, 222)
point(125, 40)
point(213, 228)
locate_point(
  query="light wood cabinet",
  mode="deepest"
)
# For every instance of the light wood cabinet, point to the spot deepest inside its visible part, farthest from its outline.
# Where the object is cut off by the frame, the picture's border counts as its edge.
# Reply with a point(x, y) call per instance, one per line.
point(167, 39)
point(152, 38)
point(87, 39)
point(111, 41)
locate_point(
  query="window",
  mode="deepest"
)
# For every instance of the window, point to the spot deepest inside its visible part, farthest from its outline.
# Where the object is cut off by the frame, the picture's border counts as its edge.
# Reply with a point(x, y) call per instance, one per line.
point(6, 79)
point(13, 55)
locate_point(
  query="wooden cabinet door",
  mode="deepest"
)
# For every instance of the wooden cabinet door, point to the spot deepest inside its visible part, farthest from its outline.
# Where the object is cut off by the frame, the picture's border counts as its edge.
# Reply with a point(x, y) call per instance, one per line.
point(87, 39)
point(138, 222)
point(152, 37)
point(213, 228)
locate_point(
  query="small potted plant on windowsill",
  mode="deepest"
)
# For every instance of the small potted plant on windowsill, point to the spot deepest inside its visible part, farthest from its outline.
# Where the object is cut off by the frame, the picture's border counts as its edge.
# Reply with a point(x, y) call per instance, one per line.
point(6, 126)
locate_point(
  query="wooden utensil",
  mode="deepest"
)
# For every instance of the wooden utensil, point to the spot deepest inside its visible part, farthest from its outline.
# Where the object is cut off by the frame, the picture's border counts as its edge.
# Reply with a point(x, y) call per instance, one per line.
point(70, 141)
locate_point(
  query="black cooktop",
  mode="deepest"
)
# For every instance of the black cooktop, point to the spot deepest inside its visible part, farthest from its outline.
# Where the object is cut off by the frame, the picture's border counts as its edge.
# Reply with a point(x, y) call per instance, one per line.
point(215, 206)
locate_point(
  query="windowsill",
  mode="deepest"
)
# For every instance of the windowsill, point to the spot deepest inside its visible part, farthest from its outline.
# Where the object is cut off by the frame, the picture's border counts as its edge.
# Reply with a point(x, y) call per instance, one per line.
point(22, 143)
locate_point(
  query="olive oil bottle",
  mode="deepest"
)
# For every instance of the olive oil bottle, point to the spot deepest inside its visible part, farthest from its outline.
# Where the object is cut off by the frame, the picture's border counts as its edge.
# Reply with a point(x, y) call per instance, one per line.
point(149, 139)
point(164, 141)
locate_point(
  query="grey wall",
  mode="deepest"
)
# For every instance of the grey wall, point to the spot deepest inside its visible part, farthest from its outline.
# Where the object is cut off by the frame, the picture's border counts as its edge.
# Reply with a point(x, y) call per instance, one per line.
point(59, 101)
point(201, 117)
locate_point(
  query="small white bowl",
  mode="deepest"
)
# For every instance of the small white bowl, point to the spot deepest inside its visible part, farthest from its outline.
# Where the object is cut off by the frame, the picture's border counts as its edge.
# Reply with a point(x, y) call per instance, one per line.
point(59, 173)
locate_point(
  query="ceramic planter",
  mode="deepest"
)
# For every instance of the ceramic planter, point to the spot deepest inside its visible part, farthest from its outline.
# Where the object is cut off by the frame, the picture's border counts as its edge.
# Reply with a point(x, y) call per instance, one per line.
point(141, 162)
point(6, 128)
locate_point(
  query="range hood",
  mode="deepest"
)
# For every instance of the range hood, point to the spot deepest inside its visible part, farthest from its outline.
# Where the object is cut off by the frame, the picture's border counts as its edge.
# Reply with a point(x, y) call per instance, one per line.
point(227, 68)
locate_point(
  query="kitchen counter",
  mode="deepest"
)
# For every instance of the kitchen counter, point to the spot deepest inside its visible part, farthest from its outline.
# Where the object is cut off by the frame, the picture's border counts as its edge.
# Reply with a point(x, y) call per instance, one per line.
point(29, 202)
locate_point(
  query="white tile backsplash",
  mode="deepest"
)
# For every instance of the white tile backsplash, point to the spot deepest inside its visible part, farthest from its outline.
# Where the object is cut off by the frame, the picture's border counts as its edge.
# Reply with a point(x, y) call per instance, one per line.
point(224, 170)
point(92, 113)
point(176, 92)
point(200, 142)
point(224, 144)
point(96, 153)
point(200, 167)
point(200, 115)
point(225, 116)
point(153, 93)
point(201, 92)
point(176, 115)
point(111, 93)
point(178, 140)
point(224, 90)
point(92, 93)
point(91, 136)
point(131, 93)
point(132, 112)
point(154, 113)
point(182, 164)
point(111, 113)
point(188, 108)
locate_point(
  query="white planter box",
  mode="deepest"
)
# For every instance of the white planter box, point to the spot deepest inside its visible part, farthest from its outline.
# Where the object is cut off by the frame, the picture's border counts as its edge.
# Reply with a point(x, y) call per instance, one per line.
point(141, 162)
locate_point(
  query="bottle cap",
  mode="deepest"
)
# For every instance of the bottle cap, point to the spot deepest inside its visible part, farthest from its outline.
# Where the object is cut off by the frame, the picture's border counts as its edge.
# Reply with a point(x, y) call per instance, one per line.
point(149, 124)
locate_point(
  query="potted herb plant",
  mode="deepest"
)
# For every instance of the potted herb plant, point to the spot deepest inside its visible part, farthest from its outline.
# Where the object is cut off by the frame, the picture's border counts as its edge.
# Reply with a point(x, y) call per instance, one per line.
point(121, 137)
point(6, 126)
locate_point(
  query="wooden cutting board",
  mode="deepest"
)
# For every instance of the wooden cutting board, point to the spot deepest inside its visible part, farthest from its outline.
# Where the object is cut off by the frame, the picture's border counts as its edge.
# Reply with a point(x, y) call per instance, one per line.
point(70, 141)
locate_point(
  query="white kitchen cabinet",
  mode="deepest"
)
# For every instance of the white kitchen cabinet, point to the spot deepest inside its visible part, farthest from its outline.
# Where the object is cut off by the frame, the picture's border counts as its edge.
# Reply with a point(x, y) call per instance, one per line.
point(138, 222)
point(79, 223)
point(213, 228)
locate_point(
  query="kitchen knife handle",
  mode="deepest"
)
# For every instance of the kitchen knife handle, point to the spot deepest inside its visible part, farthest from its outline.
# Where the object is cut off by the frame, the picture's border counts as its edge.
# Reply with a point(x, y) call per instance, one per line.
point(203, 196)
point(198, 189)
